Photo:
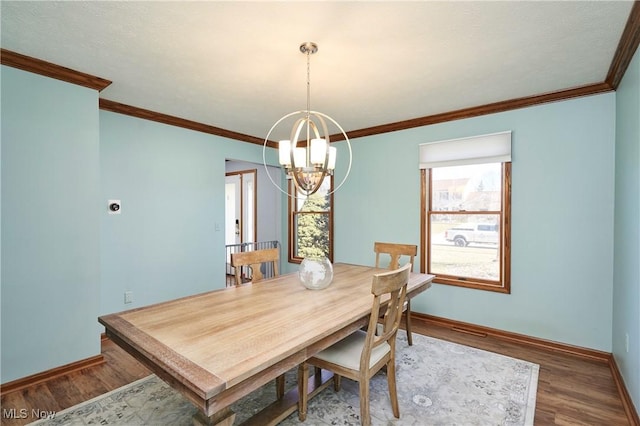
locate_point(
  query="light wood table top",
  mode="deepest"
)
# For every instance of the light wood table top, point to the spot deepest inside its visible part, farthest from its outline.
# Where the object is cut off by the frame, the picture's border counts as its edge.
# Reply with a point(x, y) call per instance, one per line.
point(217, 347)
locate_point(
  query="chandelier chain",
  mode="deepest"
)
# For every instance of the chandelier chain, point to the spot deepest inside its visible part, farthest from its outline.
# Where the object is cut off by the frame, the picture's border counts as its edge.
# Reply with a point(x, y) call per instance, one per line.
point(308, 94)
point(308, 81)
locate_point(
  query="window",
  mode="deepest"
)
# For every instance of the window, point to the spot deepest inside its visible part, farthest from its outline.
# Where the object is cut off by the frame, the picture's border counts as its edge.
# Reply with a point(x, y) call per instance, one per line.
point(311, 223)
point(467, 234)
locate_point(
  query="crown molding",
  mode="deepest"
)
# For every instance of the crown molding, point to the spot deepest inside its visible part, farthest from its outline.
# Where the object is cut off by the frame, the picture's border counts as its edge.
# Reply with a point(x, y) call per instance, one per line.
point(627, 47)
point(146, 114)
point(47, 69)
point(460, 114)
point(502, 106)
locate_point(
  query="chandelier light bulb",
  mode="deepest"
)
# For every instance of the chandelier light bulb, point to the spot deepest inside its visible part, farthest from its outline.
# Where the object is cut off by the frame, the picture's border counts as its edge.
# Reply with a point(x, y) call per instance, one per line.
point(319, 152)
point(284, 156)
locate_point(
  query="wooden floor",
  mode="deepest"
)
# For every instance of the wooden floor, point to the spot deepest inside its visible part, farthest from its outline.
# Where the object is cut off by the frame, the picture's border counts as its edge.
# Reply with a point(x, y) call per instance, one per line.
point(571, 390)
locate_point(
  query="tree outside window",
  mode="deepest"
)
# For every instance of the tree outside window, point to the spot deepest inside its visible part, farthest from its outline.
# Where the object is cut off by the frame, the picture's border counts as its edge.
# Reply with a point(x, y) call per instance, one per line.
point(310, 223)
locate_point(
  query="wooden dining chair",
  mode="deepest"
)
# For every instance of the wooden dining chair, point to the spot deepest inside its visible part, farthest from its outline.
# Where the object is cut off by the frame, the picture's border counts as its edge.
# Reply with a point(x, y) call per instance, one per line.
point(255, 259)
point(362, 354)
point(396, 251)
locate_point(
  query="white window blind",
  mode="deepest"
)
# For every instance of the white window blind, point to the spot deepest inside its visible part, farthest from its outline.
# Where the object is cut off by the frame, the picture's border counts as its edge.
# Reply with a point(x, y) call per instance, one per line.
point(493, 148)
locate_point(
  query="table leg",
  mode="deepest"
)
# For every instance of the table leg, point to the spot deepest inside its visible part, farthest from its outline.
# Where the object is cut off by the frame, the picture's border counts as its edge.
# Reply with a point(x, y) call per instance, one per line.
point(303, 391)
point(224, 417)
point(280, 386)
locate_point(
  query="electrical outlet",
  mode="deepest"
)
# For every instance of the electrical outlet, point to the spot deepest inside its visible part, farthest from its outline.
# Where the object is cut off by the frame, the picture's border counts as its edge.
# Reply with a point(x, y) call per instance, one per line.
point(128, 297)
point(626, 342)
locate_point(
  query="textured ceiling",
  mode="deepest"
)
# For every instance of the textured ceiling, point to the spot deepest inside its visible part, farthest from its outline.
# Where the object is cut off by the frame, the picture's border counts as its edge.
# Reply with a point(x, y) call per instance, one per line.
point(236, 65)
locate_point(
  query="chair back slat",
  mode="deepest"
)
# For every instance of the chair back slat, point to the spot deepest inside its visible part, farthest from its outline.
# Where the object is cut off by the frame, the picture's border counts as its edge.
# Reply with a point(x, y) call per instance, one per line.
point(395, 251)
point(254, 259)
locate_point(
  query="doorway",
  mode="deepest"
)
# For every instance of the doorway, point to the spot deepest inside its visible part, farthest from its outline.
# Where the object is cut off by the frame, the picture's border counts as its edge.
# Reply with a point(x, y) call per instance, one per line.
point(255, 204)
point(240, 207)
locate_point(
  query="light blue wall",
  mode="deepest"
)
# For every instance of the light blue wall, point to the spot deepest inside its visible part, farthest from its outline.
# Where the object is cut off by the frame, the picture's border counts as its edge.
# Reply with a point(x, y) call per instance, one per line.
point(50, 223)
point(65, 260)
point(626, 287)
point(170, 181)
point(562, 218)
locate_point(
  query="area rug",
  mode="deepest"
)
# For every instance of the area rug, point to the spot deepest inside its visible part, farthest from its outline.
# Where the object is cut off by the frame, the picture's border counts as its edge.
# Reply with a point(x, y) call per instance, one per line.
point(439, 383)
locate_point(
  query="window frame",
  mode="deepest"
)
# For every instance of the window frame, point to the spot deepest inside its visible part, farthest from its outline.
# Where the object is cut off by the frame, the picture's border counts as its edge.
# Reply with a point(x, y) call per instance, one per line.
point(291, 218)
point(504, 283)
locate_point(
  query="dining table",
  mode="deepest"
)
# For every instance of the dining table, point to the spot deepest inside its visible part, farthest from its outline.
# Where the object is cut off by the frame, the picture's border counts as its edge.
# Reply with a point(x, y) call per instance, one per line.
point(219, 346)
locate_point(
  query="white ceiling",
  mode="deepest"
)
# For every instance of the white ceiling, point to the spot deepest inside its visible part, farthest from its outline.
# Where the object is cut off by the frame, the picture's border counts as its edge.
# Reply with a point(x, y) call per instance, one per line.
point(236, 65)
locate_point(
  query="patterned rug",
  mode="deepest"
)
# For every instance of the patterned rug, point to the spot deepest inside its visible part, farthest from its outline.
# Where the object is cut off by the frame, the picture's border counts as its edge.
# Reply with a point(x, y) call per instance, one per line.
point(439, 383)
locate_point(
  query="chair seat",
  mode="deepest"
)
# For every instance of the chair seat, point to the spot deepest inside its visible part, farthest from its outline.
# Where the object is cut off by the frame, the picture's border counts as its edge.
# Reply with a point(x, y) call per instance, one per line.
point(346, 352)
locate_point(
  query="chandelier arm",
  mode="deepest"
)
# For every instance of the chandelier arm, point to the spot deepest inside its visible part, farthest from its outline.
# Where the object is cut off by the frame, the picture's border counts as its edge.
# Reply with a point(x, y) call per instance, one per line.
point(326, 138)
point(315, 129)
point(346, 139)
point(323, 171)
point(302, 174)
point(296, 169)
point(293, 138)
point(310, 125)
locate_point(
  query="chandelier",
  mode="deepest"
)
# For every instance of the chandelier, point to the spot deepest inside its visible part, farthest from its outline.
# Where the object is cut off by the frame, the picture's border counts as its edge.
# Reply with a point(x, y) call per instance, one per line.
point(307, 157)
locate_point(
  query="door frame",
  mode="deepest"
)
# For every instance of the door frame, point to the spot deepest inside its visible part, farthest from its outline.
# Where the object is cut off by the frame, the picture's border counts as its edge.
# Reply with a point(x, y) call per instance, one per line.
point(242, 174)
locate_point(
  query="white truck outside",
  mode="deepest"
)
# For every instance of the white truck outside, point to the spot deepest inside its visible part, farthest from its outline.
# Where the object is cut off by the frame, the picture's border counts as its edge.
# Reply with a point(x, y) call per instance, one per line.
point(465, 233)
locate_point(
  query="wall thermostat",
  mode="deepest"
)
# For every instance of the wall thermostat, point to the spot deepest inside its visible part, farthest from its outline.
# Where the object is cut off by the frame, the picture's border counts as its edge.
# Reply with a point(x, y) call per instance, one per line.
point(114, 206)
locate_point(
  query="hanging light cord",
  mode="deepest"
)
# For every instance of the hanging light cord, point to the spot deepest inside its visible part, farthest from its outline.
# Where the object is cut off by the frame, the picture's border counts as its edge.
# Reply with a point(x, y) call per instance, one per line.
point(308, 93)
point(308, 81)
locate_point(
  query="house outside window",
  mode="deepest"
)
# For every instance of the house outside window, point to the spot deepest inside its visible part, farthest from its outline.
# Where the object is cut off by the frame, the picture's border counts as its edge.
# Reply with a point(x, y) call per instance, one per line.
point(311, 223)
point(467, 234)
